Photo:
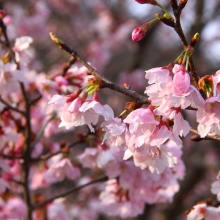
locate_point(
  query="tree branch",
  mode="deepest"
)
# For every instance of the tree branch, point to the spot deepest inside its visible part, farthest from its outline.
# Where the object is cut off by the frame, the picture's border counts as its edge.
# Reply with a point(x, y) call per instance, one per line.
point(106, 82)
point(207, 137)
point(101, 179)
point(178, 29)
point(47, 156)
point(11, 107)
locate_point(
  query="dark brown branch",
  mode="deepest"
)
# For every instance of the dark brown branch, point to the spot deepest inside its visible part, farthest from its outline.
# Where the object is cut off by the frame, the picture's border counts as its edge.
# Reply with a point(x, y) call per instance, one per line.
point(68, 65)
point(11, 107)
point(101, 179)
point(10, 157)
point(17, 182)
point(47, 156)
point(27, 153)
point(106, 82)
point(207, 137)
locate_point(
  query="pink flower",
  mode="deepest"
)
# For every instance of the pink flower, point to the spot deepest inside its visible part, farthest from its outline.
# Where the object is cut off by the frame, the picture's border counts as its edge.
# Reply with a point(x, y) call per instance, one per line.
point(155, 158)
point(22, 43)
point(139, 32)
point(215, 189)
point(115, 131)
point(57, 210)
point(158, 75)
point(181, 127)
point(116, 201)
point(39, 179)
point(60, 169)
point(47, 87)
point(60, 80)
point(208, 117)
point(152, 2)
point(141, 124)
point(10, 78)
point(202, 211)
point(69, 111)
point(216, 83)
point(91, 111)
point(15, 208)
point(89, 157)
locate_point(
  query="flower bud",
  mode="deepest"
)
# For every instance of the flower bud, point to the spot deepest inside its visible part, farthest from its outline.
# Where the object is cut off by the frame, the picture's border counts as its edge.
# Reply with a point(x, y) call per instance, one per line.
point(139, 32)
point(194, 40)
point(152, 2)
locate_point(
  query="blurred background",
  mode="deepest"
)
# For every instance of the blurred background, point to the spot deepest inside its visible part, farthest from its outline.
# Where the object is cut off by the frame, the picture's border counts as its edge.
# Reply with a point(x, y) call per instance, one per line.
point(100, 31)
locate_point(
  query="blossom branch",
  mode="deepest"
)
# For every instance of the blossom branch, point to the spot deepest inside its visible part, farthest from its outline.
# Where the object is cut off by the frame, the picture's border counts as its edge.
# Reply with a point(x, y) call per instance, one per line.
point(106, 82)
point(28, 131)
point(10, 157)
point(75, 189)
point(71, 61)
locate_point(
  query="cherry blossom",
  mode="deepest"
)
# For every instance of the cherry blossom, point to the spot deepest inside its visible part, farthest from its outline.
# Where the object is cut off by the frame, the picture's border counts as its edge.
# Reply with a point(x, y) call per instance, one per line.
point(60, 169)
point(155, 158)
point(14, 208)
point(115, 201)
point(208, 117)
point(57, 211)
point(141, 123)
point(202, 211)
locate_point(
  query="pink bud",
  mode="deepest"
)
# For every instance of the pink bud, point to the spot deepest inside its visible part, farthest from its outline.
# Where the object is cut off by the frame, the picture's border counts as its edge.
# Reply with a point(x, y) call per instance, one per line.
point(60, 80)
point(152, 2)
point(139, 32)
point(181, 80)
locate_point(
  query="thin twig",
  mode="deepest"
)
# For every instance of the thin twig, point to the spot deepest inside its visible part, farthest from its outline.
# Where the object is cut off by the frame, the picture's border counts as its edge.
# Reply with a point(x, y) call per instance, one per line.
point(68, 65)
point(178, 29)
point(41, 132)
point(17, 181)
point(207, 137)
point(95, 73)
point(10, 157)
point(105, 178)
point(11, 107)
point(32, 102)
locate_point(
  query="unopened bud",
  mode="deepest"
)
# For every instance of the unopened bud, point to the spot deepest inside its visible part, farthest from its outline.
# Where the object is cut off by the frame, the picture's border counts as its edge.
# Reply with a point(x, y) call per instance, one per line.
point(73, 95)
point(194, 40)
point(152, 2)
point(139, 32)
point(56, 40)
point(206, 85)
point(127, 86)
point(130, 106)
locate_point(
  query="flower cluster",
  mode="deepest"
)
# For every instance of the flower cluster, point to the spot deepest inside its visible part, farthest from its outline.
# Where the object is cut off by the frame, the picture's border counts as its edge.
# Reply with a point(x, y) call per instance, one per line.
point(139, 153)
